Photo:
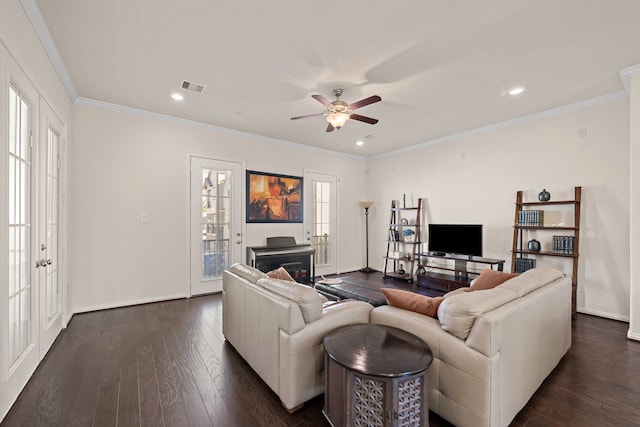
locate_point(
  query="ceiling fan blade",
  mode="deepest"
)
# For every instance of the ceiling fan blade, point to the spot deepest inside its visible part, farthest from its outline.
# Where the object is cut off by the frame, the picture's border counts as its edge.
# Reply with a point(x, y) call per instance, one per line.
point(308, 115)
point(363, 102)
point(321, 99)
point(330, 128)
point(364, 119)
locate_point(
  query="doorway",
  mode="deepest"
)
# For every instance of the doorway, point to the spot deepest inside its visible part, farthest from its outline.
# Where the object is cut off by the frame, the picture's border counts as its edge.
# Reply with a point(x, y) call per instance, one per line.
point(320, 222)
point(32, 289)
point(215, 222)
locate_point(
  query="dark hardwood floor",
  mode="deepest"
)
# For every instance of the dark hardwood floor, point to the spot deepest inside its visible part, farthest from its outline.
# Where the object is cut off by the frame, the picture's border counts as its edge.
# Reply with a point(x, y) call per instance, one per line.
point(167, 364)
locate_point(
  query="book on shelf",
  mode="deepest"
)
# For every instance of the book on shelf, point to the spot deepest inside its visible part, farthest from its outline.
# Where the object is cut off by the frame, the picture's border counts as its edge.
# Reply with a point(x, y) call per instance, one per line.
point(562, 245)
point(531, 218)
point(524, 264)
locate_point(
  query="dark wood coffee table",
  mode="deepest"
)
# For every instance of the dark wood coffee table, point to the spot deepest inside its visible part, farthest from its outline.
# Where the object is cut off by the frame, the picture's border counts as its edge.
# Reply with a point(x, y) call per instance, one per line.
point(376, 375)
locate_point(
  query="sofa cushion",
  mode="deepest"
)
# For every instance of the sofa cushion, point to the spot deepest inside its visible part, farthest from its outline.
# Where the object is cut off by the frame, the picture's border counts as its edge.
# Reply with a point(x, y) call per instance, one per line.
point(489, 279)
point(280, 273)
point(309, 301)
point(247, 272)
point(457, 313)
point(531, 280)
point(412, 301)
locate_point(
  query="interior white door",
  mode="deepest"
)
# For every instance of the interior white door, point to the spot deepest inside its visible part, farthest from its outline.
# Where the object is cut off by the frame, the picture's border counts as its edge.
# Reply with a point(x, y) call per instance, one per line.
point(320, 222)
point(216, 222)
point(48, 213)
point(20, 335)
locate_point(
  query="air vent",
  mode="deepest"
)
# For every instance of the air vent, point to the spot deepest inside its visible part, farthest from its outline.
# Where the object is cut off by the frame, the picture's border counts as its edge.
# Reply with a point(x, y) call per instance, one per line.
point(194, 87)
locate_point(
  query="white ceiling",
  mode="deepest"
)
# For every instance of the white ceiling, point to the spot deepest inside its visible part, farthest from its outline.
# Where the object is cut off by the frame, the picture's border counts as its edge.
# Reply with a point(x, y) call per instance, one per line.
point(441, 67)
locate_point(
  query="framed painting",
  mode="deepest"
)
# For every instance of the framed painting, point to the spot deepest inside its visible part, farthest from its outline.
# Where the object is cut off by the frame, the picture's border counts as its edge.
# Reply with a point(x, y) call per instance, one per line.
point(273, 198)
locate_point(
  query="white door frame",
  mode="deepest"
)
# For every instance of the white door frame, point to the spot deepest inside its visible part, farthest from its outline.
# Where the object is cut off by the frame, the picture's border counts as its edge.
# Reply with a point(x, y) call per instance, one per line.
point(236, 237)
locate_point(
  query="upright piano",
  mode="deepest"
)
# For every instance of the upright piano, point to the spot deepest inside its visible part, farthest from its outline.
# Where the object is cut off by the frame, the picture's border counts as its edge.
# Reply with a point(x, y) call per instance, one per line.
point(283, 251)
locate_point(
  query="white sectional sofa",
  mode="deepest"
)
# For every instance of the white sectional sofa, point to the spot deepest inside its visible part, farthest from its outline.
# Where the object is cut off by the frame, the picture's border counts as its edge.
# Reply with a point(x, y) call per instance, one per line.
point(491, 348)
point(278, 328)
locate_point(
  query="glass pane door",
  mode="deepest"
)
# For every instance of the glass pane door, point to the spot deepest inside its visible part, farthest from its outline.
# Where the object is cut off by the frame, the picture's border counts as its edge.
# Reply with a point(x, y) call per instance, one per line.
point(20, 296)
point(321, 222)
point(52, 292)
point(216, 222)
point(48, 244)
point(216, 208)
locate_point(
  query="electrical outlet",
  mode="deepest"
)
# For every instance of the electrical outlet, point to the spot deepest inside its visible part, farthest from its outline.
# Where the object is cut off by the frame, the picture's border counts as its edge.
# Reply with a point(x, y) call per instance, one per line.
point(144, 218)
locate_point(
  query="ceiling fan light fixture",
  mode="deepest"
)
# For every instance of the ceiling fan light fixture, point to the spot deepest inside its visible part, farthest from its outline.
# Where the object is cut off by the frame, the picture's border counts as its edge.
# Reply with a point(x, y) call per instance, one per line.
point(337, 119)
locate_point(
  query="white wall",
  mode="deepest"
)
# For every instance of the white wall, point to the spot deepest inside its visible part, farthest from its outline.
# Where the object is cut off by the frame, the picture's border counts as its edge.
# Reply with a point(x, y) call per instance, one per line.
point(474, 179)
point(126, 164)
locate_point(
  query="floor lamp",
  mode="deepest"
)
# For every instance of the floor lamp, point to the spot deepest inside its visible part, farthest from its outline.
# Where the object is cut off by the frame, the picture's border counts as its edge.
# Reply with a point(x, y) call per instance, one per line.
point(366, 206)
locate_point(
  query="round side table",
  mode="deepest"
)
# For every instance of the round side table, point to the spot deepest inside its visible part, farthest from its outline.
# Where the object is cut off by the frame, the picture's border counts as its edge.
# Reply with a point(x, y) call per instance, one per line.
point(375, 375)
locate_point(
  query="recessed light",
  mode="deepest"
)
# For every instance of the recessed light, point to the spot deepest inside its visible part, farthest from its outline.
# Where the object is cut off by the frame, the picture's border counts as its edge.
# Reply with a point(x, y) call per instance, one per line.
point(516, 90)
point(177, 96)
point(359, 142)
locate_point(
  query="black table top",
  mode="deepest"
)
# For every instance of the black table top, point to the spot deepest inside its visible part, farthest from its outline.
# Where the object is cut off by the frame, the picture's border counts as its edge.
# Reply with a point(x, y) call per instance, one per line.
point(354, 288)
point(378, 350)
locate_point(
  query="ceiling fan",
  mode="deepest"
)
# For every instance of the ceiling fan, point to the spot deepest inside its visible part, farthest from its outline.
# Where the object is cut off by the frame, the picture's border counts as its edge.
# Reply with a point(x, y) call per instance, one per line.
point(338, 111)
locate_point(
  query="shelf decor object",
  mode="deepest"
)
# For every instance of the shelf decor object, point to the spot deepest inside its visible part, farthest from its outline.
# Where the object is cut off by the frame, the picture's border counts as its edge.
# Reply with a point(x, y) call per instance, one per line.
point(529, 218)
point(533, 245)
point(544, 195)
point(366, 206)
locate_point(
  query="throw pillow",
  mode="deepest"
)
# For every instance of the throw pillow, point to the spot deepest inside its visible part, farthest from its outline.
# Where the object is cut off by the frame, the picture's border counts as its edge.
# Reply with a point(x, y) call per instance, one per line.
point(489, 279)
point(280, 273)
point(413, 302)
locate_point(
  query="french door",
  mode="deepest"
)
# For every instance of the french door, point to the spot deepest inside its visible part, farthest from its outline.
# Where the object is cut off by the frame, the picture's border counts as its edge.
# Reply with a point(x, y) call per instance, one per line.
point(31, 289)
point(48, 260)
point(320, 221)
point(215, 221)
point(21, 352)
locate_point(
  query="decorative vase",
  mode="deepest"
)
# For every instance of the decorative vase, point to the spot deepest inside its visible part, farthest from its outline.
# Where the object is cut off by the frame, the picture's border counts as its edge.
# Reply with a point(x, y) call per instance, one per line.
point(533, 245)
point(544, 195)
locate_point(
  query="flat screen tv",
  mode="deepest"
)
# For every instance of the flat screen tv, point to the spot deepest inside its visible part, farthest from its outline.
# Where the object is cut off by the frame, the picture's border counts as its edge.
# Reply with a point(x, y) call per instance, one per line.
point(461, 239)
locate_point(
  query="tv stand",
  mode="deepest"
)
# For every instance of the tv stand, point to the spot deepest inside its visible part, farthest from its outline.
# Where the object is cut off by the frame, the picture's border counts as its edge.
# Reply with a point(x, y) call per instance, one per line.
point(446, 278)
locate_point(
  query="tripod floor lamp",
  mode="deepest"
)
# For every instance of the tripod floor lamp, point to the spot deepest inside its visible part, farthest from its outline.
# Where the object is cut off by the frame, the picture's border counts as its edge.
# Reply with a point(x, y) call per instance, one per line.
point(366, 206)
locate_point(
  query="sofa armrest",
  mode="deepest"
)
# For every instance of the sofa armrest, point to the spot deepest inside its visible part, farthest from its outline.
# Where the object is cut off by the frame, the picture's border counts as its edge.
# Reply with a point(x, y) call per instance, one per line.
point(302, 353)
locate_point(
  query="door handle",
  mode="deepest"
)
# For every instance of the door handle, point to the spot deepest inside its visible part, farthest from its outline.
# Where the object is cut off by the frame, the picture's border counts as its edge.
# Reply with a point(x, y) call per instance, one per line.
point(43, 262)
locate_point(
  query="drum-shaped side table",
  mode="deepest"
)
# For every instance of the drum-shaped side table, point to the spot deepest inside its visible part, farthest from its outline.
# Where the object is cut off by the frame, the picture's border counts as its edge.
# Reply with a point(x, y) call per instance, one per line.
point(375, 375)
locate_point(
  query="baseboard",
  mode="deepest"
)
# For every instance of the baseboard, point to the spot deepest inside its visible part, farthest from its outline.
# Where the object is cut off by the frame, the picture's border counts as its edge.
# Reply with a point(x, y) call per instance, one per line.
point(67, 318)
point(604, 314)
point(127, 303)
point(633, 336)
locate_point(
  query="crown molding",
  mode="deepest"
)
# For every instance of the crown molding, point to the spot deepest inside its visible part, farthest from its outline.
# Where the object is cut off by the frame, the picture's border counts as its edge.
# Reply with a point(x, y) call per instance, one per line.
point(40, 27)
point(627, 73)
point(199, 125)
point(513, 122)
